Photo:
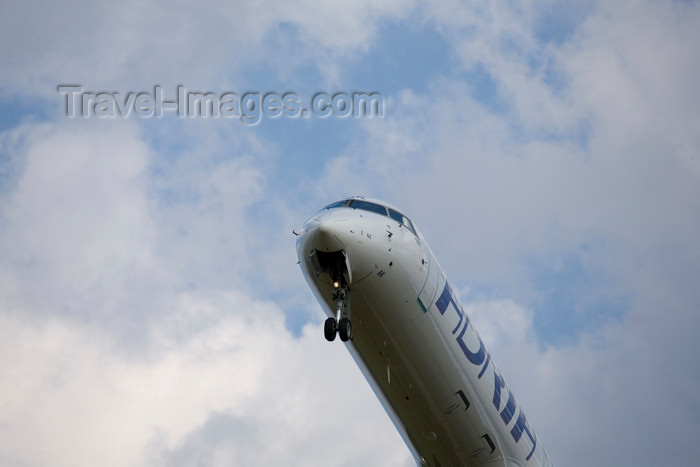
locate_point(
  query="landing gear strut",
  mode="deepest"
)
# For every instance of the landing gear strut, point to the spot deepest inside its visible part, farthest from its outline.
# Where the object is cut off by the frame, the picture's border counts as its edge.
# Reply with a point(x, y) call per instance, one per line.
point(341, 323)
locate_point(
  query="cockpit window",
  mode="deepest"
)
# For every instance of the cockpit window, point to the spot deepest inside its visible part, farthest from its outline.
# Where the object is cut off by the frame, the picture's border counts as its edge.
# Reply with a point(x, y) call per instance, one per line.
point(401, 219)
point(367, 206)
point(337, 204)
point(376, 208)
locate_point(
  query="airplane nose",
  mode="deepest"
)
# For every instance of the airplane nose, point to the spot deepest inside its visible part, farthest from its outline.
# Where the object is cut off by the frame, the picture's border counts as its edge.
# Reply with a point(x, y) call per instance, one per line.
point(327, 237)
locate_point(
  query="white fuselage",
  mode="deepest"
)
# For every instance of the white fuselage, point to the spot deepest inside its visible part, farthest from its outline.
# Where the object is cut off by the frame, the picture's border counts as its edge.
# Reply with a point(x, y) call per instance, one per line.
point(412, 339)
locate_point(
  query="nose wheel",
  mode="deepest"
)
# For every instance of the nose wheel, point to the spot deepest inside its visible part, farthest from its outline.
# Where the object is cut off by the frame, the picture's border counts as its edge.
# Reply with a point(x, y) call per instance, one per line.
point(331, 328)
point(340, 325)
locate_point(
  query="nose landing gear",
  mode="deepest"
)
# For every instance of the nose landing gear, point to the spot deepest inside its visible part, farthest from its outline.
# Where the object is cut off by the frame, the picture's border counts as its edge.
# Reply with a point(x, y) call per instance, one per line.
point(341, 323)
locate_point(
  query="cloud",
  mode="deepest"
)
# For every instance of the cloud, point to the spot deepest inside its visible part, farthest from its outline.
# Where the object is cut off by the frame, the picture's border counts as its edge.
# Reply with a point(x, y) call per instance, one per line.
point(135, 45)
point(117, 352)
point(590, 393)
point(95, 215)
point(213, 378)
point(77, 225)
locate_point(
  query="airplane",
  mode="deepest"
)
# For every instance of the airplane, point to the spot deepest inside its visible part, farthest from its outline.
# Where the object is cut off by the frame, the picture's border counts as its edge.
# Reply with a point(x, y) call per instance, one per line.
point(389, 301)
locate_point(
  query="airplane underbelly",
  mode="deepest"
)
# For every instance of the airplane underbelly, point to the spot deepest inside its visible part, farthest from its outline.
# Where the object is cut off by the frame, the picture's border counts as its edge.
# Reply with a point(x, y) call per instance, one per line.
point(391, 338)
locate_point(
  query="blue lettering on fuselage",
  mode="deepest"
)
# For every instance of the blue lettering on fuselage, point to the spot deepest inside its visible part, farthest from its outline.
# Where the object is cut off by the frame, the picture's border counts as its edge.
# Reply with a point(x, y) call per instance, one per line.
point(445, 299)
point(482, 357)
point(478, 357)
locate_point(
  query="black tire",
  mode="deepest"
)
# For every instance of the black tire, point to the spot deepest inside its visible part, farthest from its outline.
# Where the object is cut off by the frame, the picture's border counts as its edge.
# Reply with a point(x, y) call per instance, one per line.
point(345, 329)
point(329, 329)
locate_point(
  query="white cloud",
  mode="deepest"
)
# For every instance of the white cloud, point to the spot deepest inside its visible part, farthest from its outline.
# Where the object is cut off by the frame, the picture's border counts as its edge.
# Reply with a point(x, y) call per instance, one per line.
point(95, 216)
point(136, 45)
point(105, 360)
point(72, 397)
point(77, 222)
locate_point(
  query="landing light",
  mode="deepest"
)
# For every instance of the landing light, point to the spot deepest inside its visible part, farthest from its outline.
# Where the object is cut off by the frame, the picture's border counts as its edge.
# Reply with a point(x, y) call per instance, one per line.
point(336, 284)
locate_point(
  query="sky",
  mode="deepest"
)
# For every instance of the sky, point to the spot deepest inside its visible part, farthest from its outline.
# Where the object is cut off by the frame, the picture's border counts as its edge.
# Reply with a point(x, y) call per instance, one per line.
point(151, 309)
